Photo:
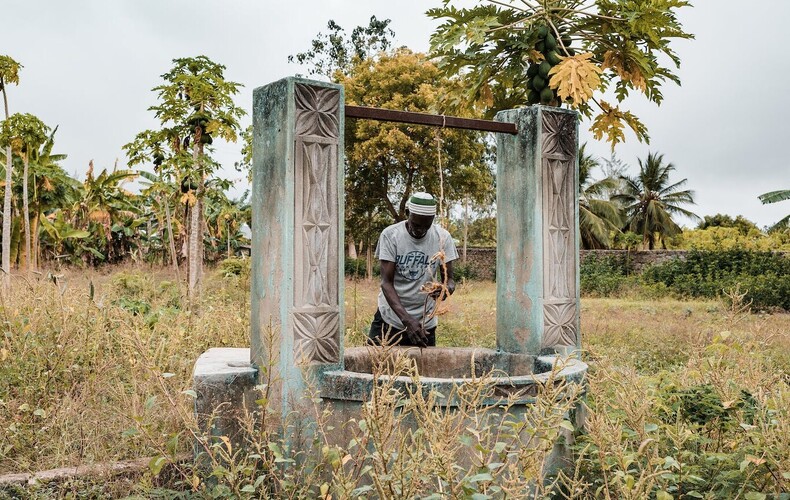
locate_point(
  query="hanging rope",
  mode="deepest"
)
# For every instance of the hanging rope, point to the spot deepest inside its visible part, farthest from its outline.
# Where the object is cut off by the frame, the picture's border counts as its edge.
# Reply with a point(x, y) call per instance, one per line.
point(442, 218)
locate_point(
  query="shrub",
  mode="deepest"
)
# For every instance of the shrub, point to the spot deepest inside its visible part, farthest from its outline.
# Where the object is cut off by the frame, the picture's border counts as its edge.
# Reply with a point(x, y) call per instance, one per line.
point(464, 272)
point(234, 267)
point(357, 268)
point(763, 276)
point(603, 275)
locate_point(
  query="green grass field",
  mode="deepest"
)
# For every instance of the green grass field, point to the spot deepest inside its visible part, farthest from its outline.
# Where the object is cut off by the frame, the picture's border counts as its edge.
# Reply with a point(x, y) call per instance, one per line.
point(685, 398)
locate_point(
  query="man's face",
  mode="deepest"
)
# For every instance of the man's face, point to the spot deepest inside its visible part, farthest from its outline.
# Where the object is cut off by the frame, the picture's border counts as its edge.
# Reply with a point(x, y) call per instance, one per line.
point(418, 225)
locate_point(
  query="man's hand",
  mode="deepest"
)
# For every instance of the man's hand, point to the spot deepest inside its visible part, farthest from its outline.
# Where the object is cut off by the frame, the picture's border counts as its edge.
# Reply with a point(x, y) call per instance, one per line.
point(416, 333)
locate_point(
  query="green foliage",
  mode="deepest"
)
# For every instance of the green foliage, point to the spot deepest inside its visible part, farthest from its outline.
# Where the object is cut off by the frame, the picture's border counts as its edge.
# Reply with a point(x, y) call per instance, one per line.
point(741, 223)
point(334, 51)
point(234, 267)
point(357, 268)
point(718, 238)
point(498, 47)
point(763, 276)
point(650, 200)
point(600, 219)
point(9, 72)
point(604, 276)
point(464, 271)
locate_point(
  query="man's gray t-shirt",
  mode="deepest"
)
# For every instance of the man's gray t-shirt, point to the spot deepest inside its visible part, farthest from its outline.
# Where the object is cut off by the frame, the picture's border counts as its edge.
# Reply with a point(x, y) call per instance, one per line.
point(416, 263)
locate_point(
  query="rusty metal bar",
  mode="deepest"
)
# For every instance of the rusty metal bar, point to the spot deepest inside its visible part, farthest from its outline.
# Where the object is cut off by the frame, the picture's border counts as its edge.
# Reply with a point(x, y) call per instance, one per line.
point(389, 115)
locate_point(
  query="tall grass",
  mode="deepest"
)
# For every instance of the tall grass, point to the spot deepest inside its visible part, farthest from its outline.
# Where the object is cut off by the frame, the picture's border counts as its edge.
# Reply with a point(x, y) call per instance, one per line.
point(686, 398)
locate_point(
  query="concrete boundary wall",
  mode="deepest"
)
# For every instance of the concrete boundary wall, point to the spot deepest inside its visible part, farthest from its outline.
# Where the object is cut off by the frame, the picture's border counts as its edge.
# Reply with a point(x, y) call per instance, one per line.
point(483, 259)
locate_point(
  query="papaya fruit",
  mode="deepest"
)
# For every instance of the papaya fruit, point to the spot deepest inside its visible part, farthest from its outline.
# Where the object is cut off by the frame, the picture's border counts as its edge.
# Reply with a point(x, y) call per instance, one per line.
point(539, 83)
point(544, 69)
point(550, 43)
point(553, 57)
point(532, 70)
point(546, 95)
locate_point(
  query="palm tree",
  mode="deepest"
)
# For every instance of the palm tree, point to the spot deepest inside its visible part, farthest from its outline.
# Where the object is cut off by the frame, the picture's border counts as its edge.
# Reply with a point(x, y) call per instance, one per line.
point(650, 201)
point(599, 218)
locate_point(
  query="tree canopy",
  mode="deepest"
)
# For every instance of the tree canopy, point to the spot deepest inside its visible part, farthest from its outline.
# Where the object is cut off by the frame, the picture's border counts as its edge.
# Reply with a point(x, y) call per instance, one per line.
point(650, 201)
point(561, 51)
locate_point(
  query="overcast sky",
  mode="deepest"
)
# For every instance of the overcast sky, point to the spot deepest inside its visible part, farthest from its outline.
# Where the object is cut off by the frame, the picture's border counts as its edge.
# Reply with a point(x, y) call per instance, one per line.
point(89, 66)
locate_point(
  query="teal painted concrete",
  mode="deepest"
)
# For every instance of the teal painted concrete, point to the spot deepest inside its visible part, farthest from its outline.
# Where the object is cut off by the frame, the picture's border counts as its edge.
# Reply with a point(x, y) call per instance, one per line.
point(519, 320)
point(273, 208)
point(520, 232)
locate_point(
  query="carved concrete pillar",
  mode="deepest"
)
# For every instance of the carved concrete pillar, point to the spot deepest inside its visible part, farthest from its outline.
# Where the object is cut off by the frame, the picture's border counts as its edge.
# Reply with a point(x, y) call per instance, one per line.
point(297, 228)
point(537, 232)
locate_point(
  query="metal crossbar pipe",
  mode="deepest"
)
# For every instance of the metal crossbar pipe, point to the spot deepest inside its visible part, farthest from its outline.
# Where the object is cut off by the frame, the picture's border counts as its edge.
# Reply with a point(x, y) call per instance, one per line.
point(389, 115)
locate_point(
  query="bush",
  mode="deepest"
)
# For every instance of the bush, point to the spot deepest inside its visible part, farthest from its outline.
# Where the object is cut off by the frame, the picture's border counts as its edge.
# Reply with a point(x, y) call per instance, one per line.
point(763, 276)
point(357, 268)
point(234, 267)
point(464, 272)
point(603, 275)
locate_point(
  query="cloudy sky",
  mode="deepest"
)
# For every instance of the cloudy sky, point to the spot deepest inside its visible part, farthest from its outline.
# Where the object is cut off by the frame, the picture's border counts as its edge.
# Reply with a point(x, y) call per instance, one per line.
point(89, 66)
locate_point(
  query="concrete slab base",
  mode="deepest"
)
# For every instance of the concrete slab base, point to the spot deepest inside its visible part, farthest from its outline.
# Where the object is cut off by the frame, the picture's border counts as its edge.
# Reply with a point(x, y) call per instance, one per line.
point(224, 381)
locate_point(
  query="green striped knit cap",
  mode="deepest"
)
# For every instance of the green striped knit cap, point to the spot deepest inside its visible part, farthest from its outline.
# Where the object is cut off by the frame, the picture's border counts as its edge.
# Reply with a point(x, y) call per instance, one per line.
point(421, 204)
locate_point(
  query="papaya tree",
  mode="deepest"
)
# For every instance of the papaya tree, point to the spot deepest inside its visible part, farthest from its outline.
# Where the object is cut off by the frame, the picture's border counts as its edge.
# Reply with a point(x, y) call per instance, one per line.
point(557, 52)
point(153, 148)
point(25, 133)
point(195, 106)
point(9, 73)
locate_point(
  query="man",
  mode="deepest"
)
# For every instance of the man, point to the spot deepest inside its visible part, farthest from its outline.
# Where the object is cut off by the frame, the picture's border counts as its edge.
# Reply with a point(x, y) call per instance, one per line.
point(410, 256)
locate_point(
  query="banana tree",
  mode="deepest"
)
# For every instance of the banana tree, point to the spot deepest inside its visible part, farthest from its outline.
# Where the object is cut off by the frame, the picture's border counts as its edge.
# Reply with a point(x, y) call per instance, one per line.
point(102, 201)
point(161, 191)
point(57, 231)
point(53, 188)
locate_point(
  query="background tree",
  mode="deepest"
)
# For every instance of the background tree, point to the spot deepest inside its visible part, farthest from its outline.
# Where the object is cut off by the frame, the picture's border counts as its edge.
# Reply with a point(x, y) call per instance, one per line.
point(102, 204)
point(386, 162)
point(25, 133)
point(650, 201)
point(741, 223)
point(196, 105)
point(558, 51)
point(773, 197)
point(53, 188)
point(599, 217)
point(9, 73)
point(334, 51)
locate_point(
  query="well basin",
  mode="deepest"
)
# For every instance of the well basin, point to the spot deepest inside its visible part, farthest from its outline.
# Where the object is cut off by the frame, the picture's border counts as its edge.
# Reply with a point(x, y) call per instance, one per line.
point(443, 369)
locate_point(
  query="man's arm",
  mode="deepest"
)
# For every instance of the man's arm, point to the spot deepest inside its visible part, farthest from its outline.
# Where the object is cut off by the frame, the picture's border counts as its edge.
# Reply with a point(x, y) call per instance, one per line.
point(414, 329)
point(450, 281)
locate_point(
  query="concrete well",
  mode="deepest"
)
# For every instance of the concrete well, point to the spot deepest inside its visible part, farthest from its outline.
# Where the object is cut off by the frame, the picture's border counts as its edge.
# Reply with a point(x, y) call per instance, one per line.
point(297, 290)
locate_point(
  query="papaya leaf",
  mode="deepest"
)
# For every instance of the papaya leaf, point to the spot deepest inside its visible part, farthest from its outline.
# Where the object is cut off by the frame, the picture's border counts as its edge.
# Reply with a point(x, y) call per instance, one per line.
point(576, 78)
